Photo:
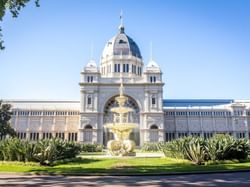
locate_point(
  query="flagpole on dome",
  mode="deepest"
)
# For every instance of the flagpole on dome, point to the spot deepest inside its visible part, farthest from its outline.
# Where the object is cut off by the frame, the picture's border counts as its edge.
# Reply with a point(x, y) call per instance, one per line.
point(151, 51)
point(92, 51)
point(121, 27)
point(121, 18)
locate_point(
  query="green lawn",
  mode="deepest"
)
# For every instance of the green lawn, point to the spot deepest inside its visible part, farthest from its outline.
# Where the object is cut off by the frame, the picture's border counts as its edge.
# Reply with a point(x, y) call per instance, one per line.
point(119, 165)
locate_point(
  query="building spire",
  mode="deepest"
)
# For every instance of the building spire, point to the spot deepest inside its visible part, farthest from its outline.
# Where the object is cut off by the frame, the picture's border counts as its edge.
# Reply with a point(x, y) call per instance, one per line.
point(91, 63)
point(121, 27)
point(92, 51)
point(151, 51)
point(121, 18)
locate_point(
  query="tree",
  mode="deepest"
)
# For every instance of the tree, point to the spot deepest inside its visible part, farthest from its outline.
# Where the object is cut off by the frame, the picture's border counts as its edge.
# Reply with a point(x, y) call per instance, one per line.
point(14, 6)
point(5, 116)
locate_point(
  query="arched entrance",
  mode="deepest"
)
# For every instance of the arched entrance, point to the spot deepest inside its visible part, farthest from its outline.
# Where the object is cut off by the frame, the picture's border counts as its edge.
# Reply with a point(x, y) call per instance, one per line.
point(133, 117)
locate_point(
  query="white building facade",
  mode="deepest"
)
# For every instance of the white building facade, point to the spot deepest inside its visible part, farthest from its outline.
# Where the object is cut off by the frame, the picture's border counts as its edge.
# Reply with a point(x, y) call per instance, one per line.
point(158, 119)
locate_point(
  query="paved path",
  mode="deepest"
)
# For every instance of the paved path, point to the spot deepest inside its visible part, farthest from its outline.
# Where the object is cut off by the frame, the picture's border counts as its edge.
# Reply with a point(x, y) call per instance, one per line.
point(237, 179)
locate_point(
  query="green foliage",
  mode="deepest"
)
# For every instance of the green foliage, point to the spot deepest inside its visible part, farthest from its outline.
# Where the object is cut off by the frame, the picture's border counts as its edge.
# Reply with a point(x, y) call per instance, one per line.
point(200, 150)
point(196, 150)
point(88, 147)
point(225, 147)
point(174, 149)
point(150, 147)
point(5, 116)
point(191, 148)
point(44, 151)
point(14, 6)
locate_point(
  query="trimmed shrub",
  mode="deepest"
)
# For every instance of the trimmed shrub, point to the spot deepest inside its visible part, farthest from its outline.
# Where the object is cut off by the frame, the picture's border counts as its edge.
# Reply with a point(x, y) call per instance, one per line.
point(150, 147)
point(88, 147)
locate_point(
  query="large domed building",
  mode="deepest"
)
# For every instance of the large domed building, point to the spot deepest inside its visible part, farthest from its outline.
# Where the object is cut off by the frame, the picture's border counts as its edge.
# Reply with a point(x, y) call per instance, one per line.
point(121, 57)
point(158, 119)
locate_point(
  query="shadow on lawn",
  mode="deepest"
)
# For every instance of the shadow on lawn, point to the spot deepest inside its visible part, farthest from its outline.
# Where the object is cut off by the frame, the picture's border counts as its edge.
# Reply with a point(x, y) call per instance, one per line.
point(77, 161)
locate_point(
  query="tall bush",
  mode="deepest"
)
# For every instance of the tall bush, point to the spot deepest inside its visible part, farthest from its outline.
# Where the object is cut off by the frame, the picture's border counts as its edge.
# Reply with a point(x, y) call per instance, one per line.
point(196, 150)
point(200, 150)
point(191, 148)
point(225, 147)
point(43, 151)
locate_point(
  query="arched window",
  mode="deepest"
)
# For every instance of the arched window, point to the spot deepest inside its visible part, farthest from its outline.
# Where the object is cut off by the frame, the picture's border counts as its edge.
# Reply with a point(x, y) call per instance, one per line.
point(153, 100)
point(88, 133)
point(133, 117)
point(89, 100)
point(153, 127)
point(153, 133)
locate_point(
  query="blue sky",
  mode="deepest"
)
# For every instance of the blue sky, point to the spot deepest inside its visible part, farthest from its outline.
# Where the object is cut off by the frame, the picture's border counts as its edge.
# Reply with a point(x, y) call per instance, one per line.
point(202, 47)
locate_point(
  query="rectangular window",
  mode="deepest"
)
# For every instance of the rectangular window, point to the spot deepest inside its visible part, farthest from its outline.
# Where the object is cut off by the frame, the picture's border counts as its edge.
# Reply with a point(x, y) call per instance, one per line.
point(170, 136)
point(89, 100)
point(208, 135)
point(154, 79)
point(118, 68)
point(123, 68)
point(90, 79)
point(195, 134)
point(240, 135)
point(182, 134)
point(76, 136)
point(153, 101)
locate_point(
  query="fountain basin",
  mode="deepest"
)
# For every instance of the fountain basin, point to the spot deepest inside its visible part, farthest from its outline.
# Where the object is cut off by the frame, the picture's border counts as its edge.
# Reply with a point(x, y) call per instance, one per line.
point(121, 126)
point(122, 110)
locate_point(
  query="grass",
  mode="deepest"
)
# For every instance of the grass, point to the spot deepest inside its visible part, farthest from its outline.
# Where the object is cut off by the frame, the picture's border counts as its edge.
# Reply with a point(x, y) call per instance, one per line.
point(120, 166)
point(92, 153)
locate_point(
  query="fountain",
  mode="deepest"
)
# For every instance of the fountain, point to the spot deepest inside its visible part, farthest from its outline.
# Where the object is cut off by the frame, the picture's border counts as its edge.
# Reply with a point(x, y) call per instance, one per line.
point(121, 128)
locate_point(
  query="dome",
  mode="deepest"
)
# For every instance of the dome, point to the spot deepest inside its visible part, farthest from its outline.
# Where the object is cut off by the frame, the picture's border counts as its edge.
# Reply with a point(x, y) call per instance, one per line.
point(121, 44)
point(153, 67)
point(152, 64)
point(91, 64)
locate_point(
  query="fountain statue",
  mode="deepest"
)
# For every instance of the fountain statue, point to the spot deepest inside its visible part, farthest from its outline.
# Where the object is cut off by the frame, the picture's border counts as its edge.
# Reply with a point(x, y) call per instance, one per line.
point(121, 128)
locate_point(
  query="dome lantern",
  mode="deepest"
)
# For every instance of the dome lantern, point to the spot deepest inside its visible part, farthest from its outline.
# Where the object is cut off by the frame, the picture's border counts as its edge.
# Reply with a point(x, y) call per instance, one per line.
point(121, 55)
